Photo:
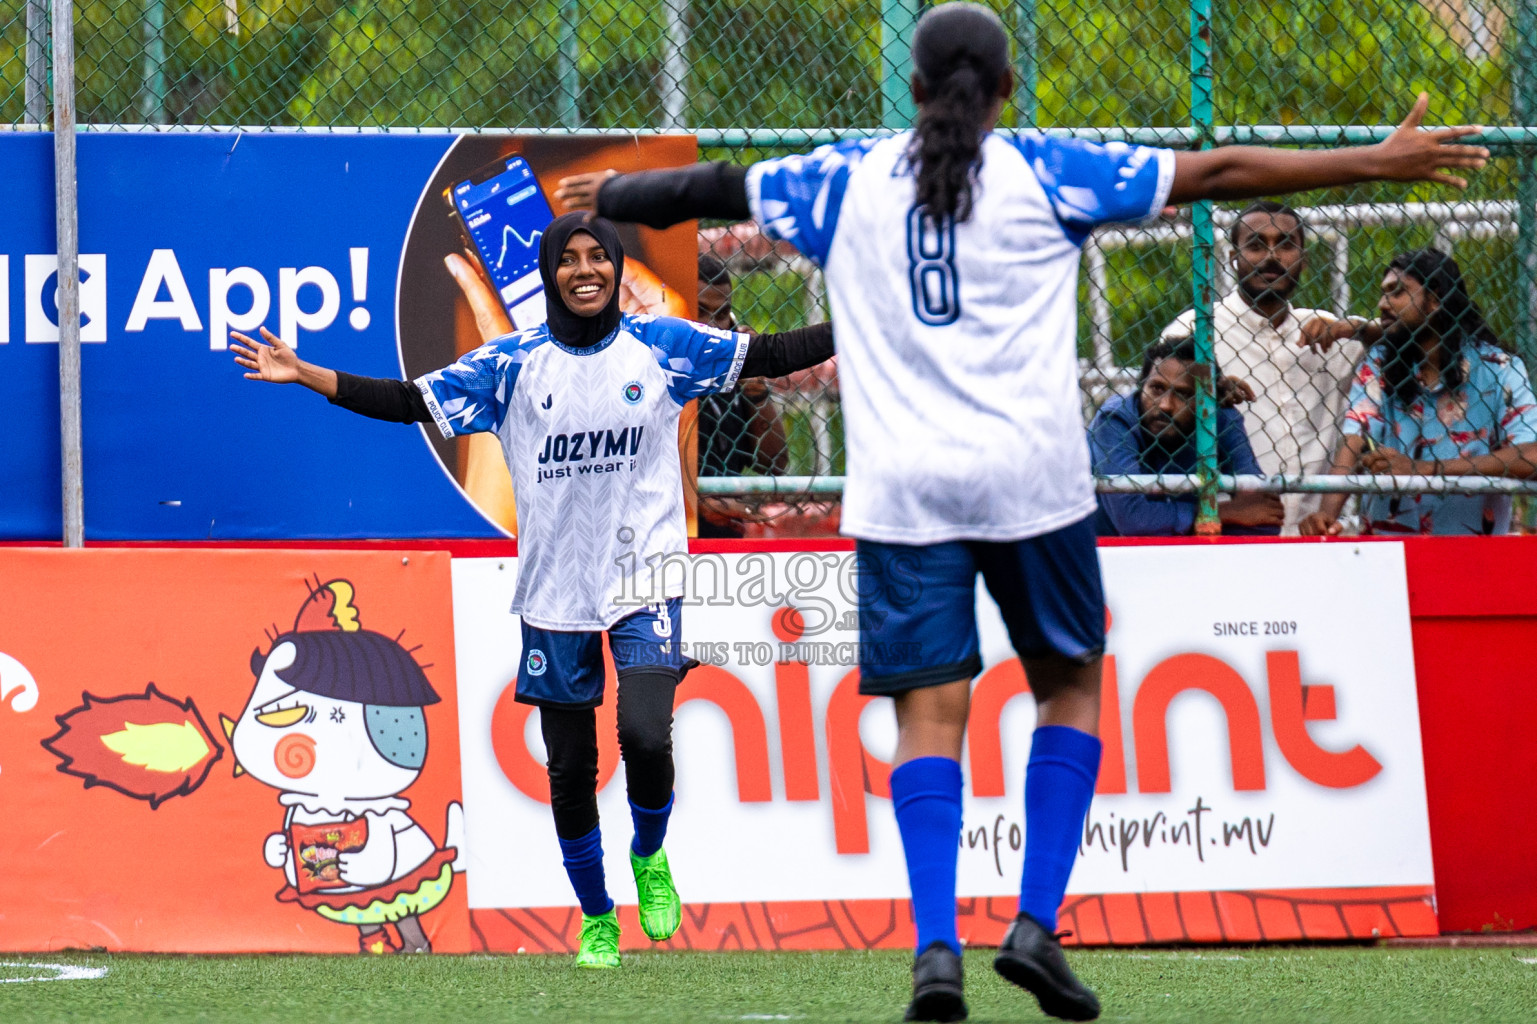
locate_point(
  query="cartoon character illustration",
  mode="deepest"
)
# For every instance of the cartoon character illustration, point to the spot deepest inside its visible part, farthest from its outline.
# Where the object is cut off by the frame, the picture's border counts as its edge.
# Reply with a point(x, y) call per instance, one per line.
point(335, 723)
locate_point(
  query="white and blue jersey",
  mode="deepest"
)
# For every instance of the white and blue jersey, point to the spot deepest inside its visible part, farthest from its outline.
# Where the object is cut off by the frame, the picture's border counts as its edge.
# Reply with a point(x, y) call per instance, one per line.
point(591, 439)
point(957, 351)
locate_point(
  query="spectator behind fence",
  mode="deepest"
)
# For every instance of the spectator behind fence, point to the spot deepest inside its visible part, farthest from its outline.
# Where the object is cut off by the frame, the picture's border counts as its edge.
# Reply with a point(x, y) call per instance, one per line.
point(739, 433)
point(1152, 430)
point(1294, 358)
point(1436, 396)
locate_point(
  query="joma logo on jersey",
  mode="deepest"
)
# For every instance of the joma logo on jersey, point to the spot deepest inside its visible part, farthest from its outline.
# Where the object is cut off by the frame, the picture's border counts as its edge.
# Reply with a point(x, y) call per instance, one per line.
point(591, 444)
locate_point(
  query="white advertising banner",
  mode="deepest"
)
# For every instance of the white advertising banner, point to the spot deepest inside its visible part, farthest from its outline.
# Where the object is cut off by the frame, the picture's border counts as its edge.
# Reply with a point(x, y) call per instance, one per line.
point(1260, 724)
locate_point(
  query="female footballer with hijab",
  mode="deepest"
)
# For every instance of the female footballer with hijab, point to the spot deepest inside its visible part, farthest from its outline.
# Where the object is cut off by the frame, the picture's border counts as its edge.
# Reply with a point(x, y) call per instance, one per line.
point(586, 408)
point(951, 258)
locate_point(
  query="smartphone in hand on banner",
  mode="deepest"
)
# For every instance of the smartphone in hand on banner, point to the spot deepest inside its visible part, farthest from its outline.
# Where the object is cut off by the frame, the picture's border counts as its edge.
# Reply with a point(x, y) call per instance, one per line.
point(501, 214)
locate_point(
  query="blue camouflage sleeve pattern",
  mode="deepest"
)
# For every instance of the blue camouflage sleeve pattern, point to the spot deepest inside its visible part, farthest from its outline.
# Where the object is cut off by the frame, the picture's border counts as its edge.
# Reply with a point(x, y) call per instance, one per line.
point(1090, 184)
point(696, 360)
point(470, 396)
point(797, 198)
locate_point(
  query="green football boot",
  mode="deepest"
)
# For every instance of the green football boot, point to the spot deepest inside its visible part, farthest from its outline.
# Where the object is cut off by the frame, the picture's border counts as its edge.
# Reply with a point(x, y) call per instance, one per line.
point(600, 941)
point(660, 909)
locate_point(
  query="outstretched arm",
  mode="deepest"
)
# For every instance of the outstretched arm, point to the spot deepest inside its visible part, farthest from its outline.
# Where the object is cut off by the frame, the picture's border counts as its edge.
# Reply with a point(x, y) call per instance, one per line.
point(271, 359)
point(661, 198)
point(775, 355)
point(1409, 154)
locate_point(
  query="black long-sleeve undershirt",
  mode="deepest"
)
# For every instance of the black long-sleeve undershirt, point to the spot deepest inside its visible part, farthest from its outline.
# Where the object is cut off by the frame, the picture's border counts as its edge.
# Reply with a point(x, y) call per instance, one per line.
point(768, 355)
point(381, 398)
point(662, 198)
point(774, 355)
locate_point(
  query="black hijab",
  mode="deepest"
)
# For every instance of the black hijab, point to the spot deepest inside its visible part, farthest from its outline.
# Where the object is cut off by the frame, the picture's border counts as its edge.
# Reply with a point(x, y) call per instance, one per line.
point(567, 327)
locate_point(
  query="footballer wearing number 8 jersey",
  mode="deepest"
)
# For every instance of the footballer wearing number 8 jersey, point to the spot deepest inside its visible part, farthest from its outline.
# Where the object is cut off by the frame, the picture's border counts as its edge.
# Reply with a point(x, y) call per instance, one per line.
point(951, 254)
point(586, 407)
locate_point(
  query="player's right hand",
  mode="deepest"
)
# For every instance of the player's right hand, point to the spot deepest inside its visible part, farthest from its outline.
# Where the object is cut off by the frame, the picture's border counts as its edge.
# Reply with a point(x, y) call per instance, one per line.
point(580, 191)
point(1410, 154)
point(271, 360)
point(275, 852)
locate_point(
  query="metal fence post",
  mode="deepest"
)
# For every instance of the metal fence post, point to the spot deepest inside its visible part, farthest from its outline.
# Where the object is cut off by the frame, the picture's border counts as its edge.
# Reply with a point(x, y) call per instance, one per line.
point(1202, 265)
point(674, 70)
point(897, 20)
point(67, 220)
point(152, 100)
point(567, 50)
point(1024, 91)
point(1524, 104)
point(35, 93)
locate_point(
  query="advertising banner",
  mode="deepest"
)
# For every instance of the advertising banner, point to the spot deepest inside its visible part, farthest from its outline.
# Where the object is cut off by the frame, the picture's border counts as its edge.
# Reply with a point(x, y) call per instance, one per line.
point(383, 255)
point(1262, 774)
point(229, 751)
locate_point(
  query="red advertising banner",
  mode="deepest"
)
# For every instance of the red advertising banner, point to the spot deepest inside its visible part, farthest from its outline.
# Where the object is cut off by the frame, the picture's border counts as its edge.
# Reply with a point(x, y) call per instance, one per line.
point(229, 751)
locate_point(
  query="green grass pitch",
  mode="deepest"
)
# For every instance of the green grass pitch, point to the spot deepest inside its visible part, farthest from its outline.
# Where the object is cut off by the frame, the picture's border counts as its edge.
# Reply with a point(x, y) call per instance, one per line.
point(1322, 985)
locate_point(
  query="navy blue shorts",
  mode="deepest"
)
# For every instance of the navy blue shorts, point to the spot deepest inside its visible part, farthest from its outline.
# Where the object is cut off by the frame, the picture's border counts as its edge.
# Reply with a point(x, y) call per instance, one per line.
point(917, 605)
point(565, 669)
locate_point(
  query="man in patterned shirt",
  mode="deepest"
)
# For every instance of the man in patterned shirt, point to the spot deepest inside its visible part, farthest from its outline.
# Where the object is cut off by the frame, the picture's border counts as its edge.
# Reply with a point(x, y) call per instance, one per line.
point(1438, 396)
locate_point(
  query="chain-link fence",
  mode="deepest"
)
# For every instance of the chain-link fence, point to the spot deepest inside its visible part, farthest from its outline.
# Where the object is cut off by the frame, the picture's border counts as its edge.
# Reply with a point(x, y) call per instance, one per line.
point(1272, 288)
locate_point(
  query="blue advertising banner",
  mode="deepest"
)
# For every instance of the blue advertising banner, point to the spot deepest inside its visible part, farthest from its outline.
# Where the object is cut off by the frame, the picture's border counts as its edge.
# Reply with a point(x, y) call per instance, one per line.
point(338, 244)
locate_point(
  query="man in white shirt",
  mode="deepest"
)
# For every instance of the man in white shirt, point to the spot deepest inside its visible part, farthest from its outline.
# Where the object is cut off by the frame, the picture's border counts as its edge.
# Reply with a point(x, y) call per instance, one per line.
point(1299, 362)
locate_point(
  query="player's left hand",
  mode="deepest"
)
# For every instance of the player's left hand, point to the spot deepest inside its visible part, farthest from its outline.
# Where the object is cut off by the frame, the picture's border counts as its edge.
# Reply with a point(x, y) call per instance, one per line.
point(580, 191)
point(1412, 154)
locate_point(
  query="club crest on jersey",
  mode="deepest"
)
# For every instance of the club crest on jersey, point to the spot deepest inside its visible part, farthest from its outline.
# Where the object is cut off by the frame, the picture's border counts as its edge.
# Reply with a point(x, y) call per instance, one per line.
point(633, 392)
point(536, 662)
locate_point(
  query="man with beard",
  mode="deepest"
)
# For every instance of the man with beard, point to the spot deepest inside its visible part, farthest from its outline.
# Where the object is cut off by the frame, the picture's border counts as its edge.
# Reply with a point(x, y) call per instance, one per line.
point(1152, 430)
point(1437, 396)
point(1289, 355)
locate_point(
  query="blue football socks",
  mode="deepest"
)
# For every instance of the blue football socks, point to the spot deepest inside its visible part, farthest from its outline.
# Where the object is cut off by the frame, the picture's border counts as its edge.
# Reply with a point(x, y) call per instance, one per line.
point(584, 866)
point(650, 828)
point(1059, 784)
point(926, 793)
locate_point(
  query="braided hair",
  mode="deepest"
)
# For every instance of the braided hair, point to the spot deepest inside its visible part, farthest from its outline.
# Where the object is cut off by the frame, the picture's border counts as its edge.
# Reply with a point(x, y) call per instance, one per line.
point(960, 56)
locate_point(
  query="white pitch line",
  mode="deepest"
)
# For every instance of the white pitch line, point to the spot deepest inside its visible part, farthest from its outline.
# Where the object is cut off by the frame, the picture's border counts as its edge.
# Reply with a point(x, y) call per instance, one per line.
point(62, 972)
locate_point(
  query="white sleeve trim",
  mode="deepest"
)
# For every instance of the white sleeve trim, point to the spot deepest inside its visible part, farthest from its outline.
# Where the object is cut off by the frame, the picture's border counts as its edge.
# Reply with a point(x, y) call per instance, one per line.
point(742, 342)
point(433, 407)
point(754, 185)
point(1165, 181)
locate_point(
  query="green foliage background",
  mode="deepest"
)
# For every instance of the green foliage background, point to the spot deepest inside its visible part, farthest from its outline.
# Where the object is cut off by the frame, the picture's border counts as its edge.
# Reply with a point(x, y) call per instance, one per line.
point(766, 63)
point(811, 64)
